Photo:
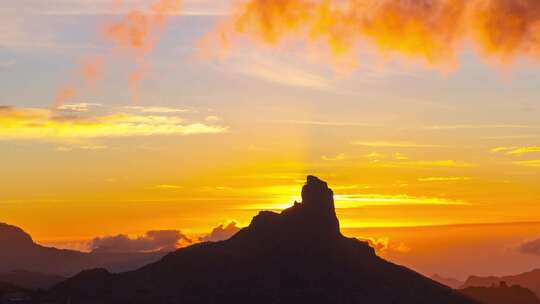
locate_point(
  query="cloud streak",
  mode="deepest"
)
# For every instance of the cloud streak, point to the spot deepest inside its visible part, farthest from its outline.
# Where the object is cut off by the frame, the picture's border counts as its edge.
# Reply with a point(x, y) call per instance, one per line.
point(529, 163)
point(516, 150)
point(386, 144)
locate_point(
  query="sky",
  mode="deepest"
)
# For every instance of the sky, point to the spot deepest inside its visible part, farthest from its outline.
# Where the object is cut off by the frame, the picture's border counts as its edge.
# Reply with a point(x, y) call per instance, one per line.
point(123, 117)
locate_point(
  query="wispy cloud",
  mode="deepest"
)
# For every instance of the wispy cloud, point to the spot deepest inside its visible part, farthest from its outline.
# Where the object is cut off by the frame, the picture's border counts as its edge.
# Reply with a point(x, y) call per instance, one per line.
point(517, 136)
point(384, 244)
point(389, 144)
point(78, 107)
point(156, 110)
point(100, 7)
point(488, 126)
point(222, 232)
point(168, 187)
point(363, 200)
point(529, 163)
point(45, 124)
point(328, 123)
point(445, 179)
point(286, 75)
point(338, 157)
point(415, 164)
point(516, 150)
point(85, 146)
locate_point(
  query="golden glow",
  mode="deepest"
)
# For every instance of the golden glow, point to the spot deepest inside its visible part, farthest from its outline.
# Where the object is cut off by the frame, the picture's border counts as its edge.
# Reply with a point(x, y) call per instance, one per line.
point(352, 201)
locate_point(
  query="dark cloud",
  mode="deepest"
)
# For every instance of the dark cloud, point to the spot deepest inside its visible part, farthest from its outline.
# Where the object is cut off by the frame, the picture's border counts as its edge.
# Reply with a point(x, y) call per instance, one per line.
point(159, 240)
point(221, 233)
point(530, 247)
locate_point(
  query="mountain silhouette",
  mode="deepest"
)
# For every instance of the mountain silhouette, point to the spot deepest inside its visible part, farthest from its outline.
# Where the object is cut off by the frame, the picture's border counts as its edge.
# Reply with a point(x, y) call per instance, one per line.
point(296, 256)
point(502, 294)
point(18, 252)
point(450, 282)
point(530, 280)
point(31, 280)
point(6, 288)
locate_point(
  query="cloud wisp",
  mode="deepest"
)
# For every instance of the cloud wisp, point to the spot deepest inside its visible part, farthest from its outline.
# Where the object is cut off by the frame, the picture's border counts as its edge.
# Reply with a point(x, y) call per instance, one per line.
point(388, 144)
point(136, 34)
point(529, 163)
point(516, 150)
point(221, 233)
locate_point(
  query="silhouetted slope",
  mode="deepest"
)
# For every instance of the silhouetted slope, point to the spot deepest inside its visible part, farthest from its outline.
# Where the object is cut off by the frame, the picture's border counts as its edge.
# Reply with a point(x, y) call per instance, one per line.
point(298, 256)
point(20, 252)
point(529, 280)
point(450, 282)
point(8, 288)
point(31, 280)
point(502, 294)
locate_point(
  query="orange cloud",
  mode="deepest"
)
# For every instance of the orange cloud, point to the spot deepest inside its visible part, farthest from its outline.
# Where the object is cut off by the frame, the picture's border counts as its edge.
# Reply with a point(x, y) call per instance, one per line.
point(384, 244)
point(433, 31)
point(89, 70)
point(220, 233)
point(138, 32)
point(506, 29)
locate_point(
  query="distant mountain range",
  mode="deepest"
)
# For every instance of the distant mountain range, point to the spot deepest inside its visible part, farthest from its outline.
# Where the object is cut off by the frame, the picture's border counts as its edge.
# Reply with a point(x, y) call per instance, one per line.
point(20, 253)
point(296, 256)
point(502, 294)
point(530, 280)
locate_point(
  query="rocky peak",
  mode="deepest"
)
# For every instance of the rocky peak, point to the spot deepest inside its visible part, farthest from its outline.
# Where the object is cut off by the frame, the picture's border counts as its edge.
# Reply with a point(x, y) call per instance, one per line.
point(313, 218)
point(316, 195)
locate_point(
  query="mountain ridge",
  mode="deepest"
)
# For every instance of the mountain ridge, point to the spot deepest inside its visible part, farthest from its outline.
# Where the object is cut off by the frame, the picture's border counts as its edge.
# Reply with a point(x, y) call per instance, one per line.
point(296, 256)
point(20, 253)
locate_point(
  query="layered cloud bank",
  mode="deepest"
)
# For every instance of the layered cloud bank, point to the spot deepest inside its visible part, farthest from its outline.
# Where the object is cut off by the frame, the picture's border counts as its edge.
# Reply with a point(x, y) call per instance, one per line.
point(159, 240)
point(76, 122)
point(432, 30)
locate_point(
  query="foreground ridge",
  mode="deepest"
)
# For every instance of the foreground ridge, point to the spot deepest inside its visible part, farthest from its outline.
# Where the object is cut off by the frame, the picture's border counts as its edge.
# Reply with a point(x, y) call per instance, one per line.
point(296, 256)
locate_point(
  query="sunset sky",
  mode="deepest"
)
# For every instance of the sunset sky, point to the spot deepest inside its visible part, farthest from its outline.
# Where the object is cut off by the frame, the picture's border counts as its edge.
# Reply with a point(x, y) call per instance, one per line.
point(130, 116)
